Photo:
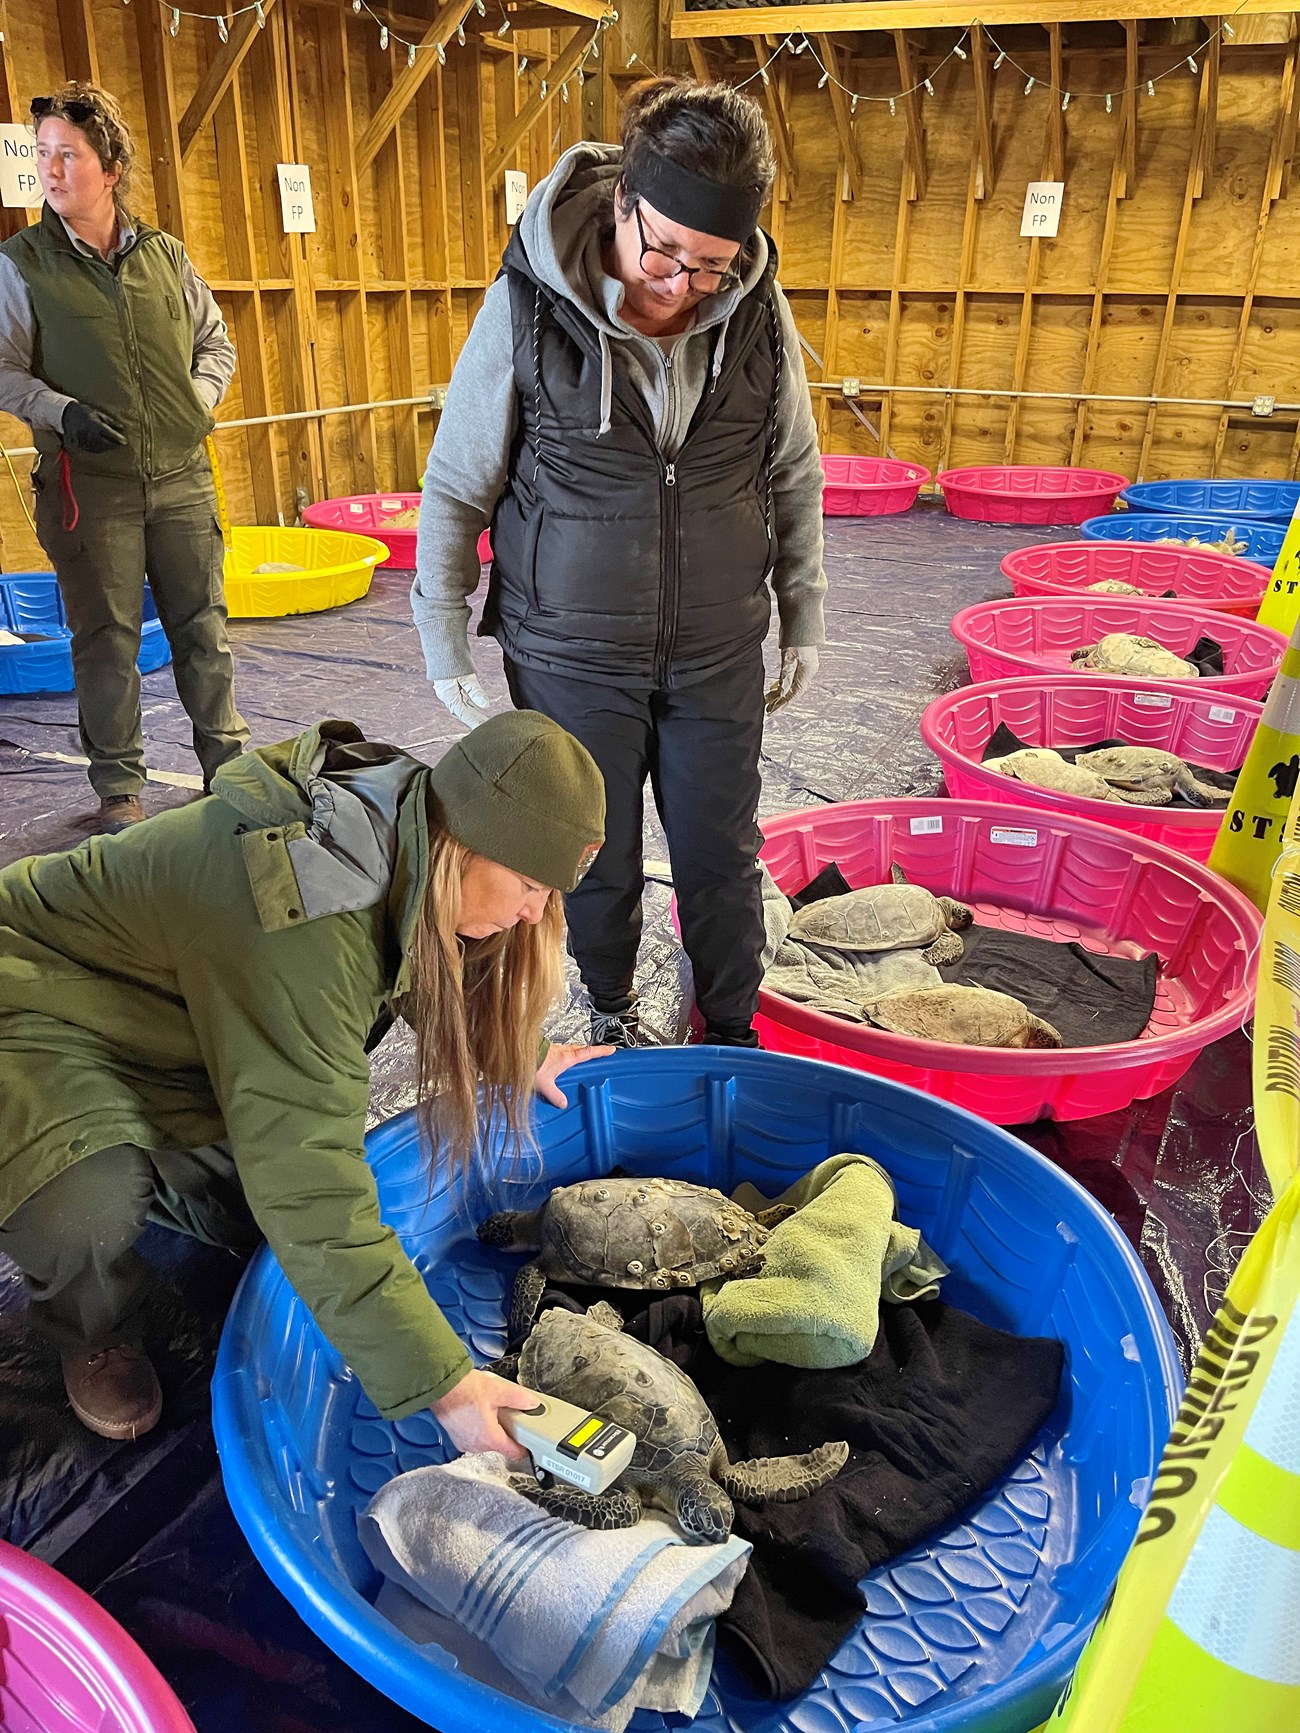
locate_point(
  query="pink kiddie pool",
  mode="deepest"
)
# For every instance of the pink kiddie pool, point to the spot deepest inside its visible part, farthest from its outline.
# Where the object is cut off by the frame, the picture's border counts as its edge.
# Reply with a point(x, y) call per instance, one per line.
point(870, 486)
point(371, 514)
point(1053, 875)
point(1219, 581)
point(66, 1667)
point(1036, 634)
point(1027, 493)
point(1079, 710)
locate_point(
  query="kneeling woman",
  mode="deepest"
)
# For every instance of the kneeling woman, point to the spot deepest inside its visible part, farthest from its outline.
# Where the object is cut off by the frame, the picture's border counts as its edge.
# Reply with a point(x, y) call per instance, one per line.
point(185, 1014)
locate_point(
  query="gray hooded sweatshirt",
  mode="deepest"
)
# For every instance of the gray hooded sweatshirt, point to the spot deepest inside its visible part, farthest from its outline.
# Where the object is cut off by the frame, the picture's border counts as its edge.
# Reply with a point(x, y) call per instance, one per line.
point(468, 463)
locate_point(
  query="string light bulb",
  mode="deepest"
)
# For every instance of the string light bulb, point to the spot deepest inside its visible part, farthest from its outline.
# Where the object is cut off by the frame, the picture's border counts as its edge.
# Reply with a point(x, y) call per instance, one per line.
point(1030, 85)
point(929, 88)
point(1002, 54)
point(545, 87)
point(522, 66)
point(383, 37)
point(503, 29)
point(1065, 102)
point(1191, 61)
point(410, 54)
point(823, 81)
point(460, 34)
point(1228, 31)
point(442, 54)
point(1151, 86)
point(582, 78)
point(631, 58)
point(356, 7)
point(853, 106)
point(893, 106)
point(766, 79)
point(261, 16)
point(175, 24)
point(959, 51)
point(564, 93)
point(1107, 102)
point(223, 31)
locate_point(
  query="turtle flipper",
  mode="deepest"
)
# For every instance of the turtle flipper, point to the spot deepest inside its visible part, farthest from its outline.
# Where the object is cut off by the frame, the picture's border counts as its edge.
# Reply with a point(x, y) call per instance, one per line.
point(530, 1284)
point(603, 1313)
point(512, 1230)
point(506, 1367)
point(896, 874)
point(1142, 796)
point(774, 1215)
point(947, 948)
point(619, 1507)
point(1042, 1034)
point(784, 1478)
point(703, 1510)
point(957, 915)
point(1196, 792)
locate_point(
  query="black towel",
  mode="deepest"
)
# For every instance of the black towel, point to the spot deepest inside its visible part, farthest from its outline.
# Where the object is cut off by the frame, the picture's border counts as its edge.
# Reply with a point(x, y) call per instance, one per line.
point(939, 1412)
point(1002, 742)
point(1090, 1000)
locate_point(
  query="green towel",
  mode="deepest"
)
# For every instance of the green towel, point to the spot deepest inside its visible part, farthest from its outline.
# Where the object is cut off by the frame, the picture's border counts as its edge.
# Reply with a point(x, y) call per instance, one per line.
point(827, 1267)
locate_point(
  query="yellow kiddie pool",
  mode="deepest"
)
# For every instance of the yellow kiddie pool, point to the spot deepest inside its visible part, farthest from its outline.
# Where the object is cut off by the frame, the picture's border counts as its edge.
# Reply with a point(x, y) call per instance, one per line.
point(270, 572)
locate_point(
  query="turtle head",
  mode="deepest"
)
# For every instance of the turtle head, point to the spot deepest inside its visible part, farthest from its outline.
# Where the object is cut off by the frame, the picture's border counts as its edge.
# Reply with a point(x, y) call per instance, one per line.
point(896, 874)
point(501, 1231)
point(1042, 1034)
point(957, 915)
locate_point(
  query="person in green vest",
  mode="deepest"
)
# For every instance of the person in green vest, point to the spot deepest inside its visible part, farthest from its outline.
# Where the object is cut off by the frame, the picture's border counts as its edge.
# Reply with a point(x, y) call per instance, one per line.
point(186, 1012)
point(114, 353)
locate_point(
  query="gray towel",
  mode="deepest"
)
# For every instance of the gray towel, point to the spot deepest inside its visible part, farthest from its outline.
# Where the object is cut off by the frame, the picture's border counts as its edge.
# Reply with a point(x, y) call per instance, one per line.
point(591, 1625)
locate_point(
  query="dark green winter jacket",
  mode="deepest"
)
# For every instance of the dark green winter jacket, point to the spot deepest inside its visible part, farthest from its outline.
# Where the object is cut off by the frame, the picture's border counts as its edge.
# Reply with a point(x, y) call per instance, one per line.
point(215, 973)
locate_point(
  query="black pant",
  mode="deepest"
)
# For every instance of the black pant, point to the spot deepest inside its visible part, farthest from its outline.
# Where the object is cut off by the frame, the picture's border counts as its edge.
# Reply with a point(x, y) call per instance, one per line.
point(74, 1239)
point(700, 746)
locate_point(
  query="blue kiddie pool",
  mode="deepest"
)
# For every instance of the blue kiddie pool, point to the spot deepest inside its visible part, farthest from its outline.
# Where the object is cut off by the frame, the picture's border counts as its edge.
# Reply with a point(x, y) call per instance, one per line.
point(1258, 539)
point(30, 602)
point(1253, 499)
point(976, 1630)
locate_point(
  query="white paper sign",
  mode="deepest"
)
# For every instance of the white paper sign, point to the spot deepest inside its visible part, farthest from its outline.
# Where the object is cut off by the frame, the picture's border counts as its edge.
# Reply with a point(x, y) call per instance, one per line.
point(516, 194)
point(1042, 213)
point(18, 180)
point(295, 198)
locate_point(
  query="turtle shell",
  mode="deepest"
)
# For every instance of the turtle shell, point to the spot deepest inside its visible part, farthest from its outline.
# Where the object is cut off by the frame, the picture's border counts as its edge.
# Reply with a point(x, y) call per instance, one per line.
point(877, 918)
point(646, 1233)
point(580, 1360)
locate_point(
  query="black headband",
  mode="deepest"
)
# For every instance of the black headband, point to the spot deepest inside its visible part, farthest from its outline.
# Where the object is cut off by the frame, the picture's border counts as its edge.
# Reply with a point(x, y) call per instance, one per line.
point(694, 201)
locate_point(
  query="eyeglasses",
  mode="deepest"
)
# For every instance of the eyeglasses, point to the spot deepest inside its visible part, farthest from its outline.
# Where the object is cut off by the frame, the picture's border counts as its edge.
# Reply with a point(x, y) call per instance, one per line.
point(655, 262)
point(77, 112)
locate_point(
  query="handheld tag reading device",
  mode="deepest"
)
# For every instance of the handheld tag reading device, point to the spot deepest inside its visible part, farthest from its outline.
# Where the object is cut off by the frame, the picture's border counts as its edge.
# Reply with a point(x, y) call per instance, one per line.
point(570, 1443)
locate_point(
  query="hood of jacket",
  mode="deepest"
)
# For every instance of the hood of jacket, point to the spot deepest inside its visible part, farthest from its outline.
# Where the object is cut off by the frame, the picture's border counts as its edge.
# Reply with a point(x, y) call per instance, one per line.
point(558, 241)
point(335, 823)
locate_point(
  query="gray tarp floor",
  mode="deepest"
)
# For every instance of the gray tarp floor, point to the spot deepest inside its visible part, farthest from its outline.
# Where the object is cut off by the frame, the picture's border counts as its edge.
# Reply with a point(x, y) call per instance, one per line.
point(1181, 1173)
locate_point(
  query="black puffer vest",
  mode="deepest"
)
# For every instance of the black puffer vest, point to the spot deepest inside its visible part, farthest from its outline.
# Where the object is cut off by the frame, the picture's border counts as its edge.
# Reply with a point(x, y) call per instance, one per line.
point(608, 562)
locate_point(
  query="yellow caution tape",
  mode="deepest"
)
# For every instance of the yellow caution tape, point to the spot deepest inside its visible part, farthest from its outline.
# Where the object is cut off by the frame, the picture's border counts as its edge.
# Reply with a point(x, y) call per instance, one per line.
point(219, 487)
point(1203, 1630)
point(1280, 607)
point(1250, 837)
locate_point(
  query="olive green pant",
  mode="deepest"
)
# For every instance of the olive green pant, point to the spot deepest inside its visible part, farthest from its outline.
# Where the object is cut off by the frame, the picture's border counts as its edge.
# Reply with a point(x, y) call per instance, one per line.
point(74, 1239)
point(128, 529)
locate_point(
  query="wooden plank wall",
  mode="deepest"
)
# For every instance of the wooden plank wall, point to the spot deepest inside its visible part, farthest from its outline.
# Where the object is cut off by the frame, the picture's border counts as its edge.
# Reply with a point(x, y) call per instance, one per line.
point(409, 227)
point(1174, 273)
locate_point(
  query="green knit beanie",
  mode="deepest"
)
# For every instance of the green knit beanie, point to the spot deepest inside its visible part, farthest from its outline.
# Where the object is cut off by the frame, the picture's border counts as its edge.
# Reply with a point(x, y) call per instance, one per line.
point(525, 794)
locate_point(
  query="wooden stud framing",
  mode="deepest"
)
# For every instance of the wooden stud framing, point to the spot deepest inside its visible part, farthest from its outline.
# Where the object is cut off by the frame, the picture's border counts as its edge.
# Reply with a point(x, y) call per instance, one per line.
point(466, 81)
point(12, 109)
point(1129, 112)
point(560, 69)
point(983, 77)
point(77, 28)
point(160, 108)
point(1053, 169)
point(223, 68)
point(965, 272)
point(776, 116)
point(699, 60)
point(410, 78)
point(914, 172)
point(850, 162)
point(927, 15)
point(1120, 180)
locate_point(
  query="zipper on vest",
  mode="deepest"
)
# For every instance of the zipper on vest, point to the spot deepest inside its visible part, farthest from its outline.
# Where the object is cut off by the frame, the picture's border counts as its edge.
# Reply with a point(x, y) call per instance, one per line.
point(669, 577)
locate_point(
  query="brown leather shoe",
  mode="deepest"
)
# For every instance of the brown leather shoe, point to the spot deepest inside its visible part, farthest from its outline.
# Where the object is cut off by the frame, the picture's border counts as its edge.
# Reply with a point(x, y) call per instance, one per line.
point(114, 1391)
point(118, 812)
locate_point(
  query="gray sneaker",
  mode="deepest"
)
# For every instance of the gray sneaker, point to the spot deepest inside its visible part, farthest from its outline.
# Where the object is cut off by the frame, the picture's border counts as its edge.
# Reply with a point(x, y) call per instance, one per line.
point(616, 1028)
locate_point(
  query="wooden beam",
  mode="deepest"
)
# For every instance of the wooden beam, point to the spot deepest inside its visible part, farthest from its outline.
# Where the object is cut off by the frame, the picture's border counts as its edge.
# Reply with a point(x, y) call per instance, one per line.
point(1120, 180)
point(222, 69)
point(410, 78)
point(77, 28)
point(851, 179)
point(12, 109)
point(1129, 112)
point(467, 85)
point(699, 60)
point(160, 112)
point(1205, 166)
point(782, 21)
point(553, 77)
point(1054, 167)
point(966, 270)
point(983, 183)
point(776, 118)
point(914, 172)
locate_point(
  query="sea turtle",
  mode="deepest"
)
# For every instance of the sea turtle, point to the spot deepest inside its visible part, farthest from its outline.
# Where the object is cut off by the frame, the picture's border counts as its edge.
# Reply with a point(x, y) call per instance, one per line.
point(963, 1016)
point(1145, 777)
point(680, 1463)
point(626, 1233)
point(1226, 545)
point(1040, 767)
point(1115, 587)
point(893, 917)
point(1124, 653)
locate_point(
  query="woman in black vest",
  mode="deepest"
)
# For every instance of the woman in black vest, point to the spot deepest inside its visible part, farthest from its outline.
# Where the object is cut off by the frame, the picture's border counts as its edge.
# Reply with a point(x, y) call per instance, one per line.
point(114, 353)
point(631, 415)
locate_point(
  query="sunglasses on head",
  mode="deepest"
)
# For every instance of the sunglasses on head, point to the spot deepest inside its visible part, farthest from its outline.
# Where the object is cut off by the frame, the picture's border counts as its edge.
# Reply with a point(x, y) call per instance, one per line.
point(77, 112)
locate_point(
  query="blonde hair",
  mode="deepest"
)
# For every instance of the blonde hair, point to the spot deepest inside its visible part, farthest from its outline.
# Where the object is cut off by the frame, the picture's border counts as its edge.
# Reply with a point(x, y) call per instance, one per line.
point(477, 1007)
point(105, 129)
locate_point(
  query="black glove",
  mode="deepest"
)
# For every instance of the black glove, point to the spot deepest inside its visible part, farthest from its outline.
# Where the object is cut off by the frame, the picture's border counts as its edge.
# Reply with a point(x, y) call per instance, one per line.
point(86, 432)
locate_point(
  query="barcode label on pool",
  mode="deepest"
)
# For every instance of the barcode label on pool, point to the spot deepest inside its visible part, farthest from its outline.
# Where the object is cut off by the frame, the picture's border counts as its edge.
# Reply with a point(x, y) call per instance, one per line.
point(1220, 713)
point(926, 826)
point(1015, 838)
point(1153, 700)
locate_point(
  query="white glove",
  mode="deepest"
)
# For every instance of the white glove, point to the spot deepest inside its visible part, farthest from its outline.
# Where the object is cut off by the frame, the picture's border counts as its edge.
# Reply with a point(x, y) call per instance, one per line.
point(463, 696)
point(797, 670)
